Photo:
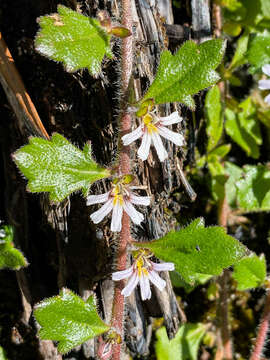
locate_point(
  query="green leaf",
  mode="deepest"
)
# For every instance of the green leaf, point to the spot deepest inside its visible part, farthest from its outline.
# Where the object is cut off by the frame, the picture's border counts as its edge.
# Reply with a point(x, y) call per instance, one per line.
point(184, 346)
point(3, 354)
point(250, 272)
point(253, 190)
point(244, 127)
point(74, 39)
point(218, 179)
point(234, 173)
point(214, 124)
point(220, 151)
point(258, 50)
point(240, 52)
point(57, 167)
point(9, 256)
point(196, 249)
point(69, 320)
point(187, 72)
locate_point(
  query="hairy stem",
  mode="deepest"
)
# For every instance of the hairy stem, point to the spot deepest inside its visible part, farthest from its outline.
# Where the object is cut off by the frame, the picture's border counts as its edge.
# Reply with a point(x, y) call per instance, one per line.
point(224, 350)
point(124, 168)
point(263, 330)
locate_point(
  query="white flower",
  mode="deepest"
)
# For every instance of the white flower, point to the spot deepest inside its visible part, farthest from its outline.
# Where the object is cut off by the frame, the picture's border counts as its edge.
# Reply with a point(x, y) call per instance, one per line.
point(117, 200)
point(151, 128)
point(265, 84)
point(143, 271)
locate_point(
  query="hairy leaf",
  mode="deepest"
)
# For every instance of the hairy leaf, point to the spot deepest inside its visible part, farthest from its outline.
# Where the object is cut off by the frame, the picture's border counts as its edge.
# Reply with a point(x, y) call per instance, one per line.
point(253, 190)
point(74, 39)
point(196, 249)
point(9, 256)
point(187, 72)
point(250, 272)
point(185, 344)
point(234, 173)
point(214, 124)
point(69, 320)
point(57, 167)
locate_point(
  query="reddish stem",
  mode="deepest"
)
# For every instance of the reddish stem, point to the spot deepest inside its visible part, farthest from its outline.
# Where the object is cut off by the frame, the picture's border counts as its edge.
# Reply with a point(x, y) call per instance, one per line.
point(124, 168)
point(263, 330)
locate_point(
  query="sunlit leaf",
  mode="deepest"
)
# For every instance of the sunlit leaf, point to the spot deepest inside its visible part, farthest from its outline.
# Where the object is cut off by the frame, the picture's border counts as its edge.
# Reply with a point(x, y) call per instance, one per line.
point(66, 318)
point(185, 344)
point(253, 190)
point(9, 256)
point(240, 52)
point(244, 127)
point(234, 173)
point(187, 72)
point(3, 355)
point(74, 39)
point(214, 124)
point(250, 272)
point(196, 249)
point(259, 50)
point(57, 167)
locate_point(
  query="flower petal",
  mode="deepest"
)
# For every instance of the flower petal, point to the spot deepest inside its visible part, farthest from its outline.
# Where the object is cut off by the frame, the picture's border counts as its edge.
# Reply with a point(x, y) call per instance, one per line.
point(267, 99)
point(264, 84)
point(161, 151)
point(266, 69)
point(116, 224)
point(163, 266)
point(174, 137)
point(100, 214)
point(132, 136)
point(132, 283)
point(156, 280)
point(143, 150)
point(96, 199)
point(124, 274)
point(134, 215)
point(145, 287)
point(140, 200)
point(174, 118)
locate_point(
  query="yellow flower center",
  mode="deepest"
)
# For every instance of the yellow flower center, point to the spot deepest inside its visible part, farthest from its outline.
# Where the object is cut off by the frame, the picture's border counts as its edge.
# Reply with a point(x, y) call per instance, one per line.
point(140, 267)
point(118, 196)
point(148, 121)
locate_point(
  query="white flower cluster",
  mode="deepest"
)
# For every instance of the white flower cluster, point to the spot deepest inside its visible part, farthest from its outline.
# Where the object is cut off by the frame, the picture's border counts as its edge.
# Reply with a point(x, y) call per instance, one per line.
point(120, 198)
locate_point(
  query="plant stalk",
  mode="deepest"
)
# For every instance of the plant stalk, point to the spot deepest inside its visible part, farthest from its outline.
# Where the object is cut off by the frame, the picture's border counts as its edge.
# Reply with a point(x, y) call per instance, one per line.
point(263, 330)
point(124, 168)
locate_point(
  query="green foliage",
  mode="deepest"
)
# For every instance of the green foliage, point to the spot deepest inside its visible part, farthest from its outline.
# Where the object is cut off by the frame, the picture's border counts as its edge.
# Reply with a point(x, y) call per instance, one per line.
point(184, 346)
point(69, 320)
point(214, 124)
point(76, 40)
point(187, 72)
point(239, 57)
point(259, 50)
point(253, 190)
point(218, 179)
point(250, 14)
point(248, 188)
point(3, 354)
point(234, 173)
point(250, 272)
point(244, 127)
point(9, 256)
point(199, 279)
point(57, 167)
point(196, 249)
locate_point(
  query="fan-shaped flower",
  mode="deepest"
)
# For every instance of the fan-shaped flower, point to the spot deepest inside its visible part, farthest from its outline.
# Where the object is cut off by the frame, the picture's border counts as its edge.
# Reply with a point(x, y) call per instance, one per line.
point(117, 200)
point(265, 84)
point(150, 130)
point(143, 271)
